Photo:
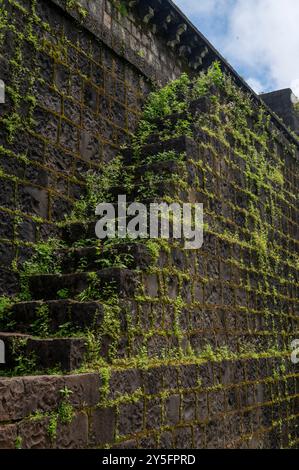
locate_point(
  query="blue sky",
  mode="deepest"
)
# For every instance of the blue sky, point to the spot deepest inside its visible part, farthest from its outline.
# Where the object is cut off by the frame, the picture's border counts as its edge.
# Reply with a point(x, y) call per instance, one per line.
point(260, 38)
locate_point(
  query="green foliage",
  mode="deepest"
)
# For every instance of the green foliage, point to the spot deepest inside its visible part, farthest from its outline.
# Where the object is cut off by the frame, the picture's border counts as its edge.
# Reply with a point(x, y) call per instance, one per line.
point(105, 374)
point(76, 5)
point(154, 248)
point(40, 327)
point(261, 240)
point(18, 442)
point(52, 426)
point(25, 365)
point(37, 416)
point(93, 354)
point(168, 100)
point(13, 124)
point(110, 254)
point(166, 156)
point(63, 293)
point(44, 260)
point(65, 392)
point(276, 176)
point(93, 291)
point(5, 305)
point(99, 187)
point(111, 326)
point(121, 6)
point(65, 412)
point(175, 97)
point(213, 77)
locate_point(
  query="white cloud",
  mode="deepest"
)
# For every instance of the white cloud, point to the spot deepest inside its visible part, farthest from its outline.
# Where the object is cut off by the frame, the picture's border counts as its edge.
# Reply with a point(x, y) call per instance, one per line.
point(198, 7)
point(255, 84)
point(264, 35)
point(258, 36)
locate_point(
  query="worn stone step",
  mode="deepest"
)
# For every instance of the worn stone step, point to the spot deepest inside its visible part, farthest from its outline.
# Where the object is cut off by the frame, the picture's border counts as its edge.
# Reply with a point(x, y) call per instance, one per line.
point(79, 231)
point(195, 107)
point(50, 317)
point(167, 168)
point(155, 146)
point(25, 353)
point(131, 255)
point(105, 282)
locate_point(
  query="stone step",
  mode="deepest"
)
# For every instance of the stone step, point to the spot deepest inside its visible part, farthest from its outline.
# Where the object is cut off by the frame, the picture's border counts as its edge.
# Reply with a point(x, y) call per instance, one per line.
point(76, 232)
point(155, 146)
point(24, 353)
point(195, 109)
point(69, 286)
point(198, 106)
point(38, 318)
point(129, 255)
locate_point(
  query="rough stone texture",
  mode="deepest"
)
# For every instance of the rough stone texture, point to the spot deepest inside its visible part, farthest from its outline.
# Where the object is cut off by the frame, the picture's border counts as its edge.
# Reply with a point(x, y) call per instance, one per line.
point(89, 95)
point(103, 426)
point(81, 120)
point(67, 354)
point(22, 396)
point(282, 103)
point(202, 423)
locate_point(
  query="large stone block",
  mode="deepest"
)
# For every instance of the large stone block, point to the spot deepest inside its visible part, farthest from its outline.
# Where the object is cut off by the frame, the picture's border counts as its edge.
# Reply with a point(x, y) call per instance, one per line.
point(130, 419)
point(172, 410)
point(102, 426)
point(8, 436)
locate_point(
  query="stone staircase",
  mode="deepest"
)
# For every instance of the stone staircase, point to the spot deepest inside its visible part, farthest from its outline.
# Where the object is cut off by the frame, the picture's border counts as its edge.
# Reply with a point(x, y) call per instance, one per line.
point(57, 300)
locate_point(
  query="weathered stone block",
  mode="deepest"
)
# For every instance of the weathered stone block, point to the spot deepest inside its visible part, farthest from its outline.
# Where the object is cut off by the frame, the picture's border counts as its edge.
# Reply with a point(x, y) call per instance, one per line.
point(130, 420)
point(73, 435)
point(172, 410)
point(102, 426)
point(183, 438)
point(153, 413)
point(8, 436)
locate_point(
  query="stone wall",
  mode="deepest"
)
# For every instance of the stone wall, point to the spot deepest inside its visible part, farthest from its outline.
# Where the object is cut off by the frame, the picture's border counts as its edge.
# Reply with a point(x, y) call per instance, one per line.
point(200, 346)
point(221, 404)
point(282, 102)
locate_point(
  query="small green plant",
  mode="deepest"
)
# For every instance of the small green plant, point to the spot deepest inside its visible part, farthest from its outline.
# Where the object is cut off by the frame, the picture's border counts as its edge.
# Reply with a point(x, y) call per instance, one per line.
point(166, 156)
point(18, 442)
point(214, 76)
point(52, 426)
point(105, 387)
point(63, 293)
point(65, 412)
point(276, 176)
point(75, 5)
point(45, 259)
point(99, 187)
point(93, 291)
point(5, 305)
point(25, 365)
point(40, 327)
point(37, 416)
point(121, 6)
point(65, 392)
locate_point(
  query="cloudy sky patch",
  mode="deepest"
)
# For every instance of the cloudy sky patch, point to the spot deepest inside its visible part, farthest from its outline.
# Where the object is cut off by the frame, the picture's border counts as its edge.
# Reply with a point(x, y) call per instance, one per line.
point(260, 38)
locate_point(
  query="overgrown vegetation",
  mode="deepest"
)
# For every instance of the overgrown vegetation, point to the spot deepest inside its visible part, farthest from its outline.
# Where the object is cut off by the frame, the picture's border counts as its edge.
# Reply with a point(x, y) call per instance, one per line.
point(243, 134)
point(76, 6)
point(64, 414)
